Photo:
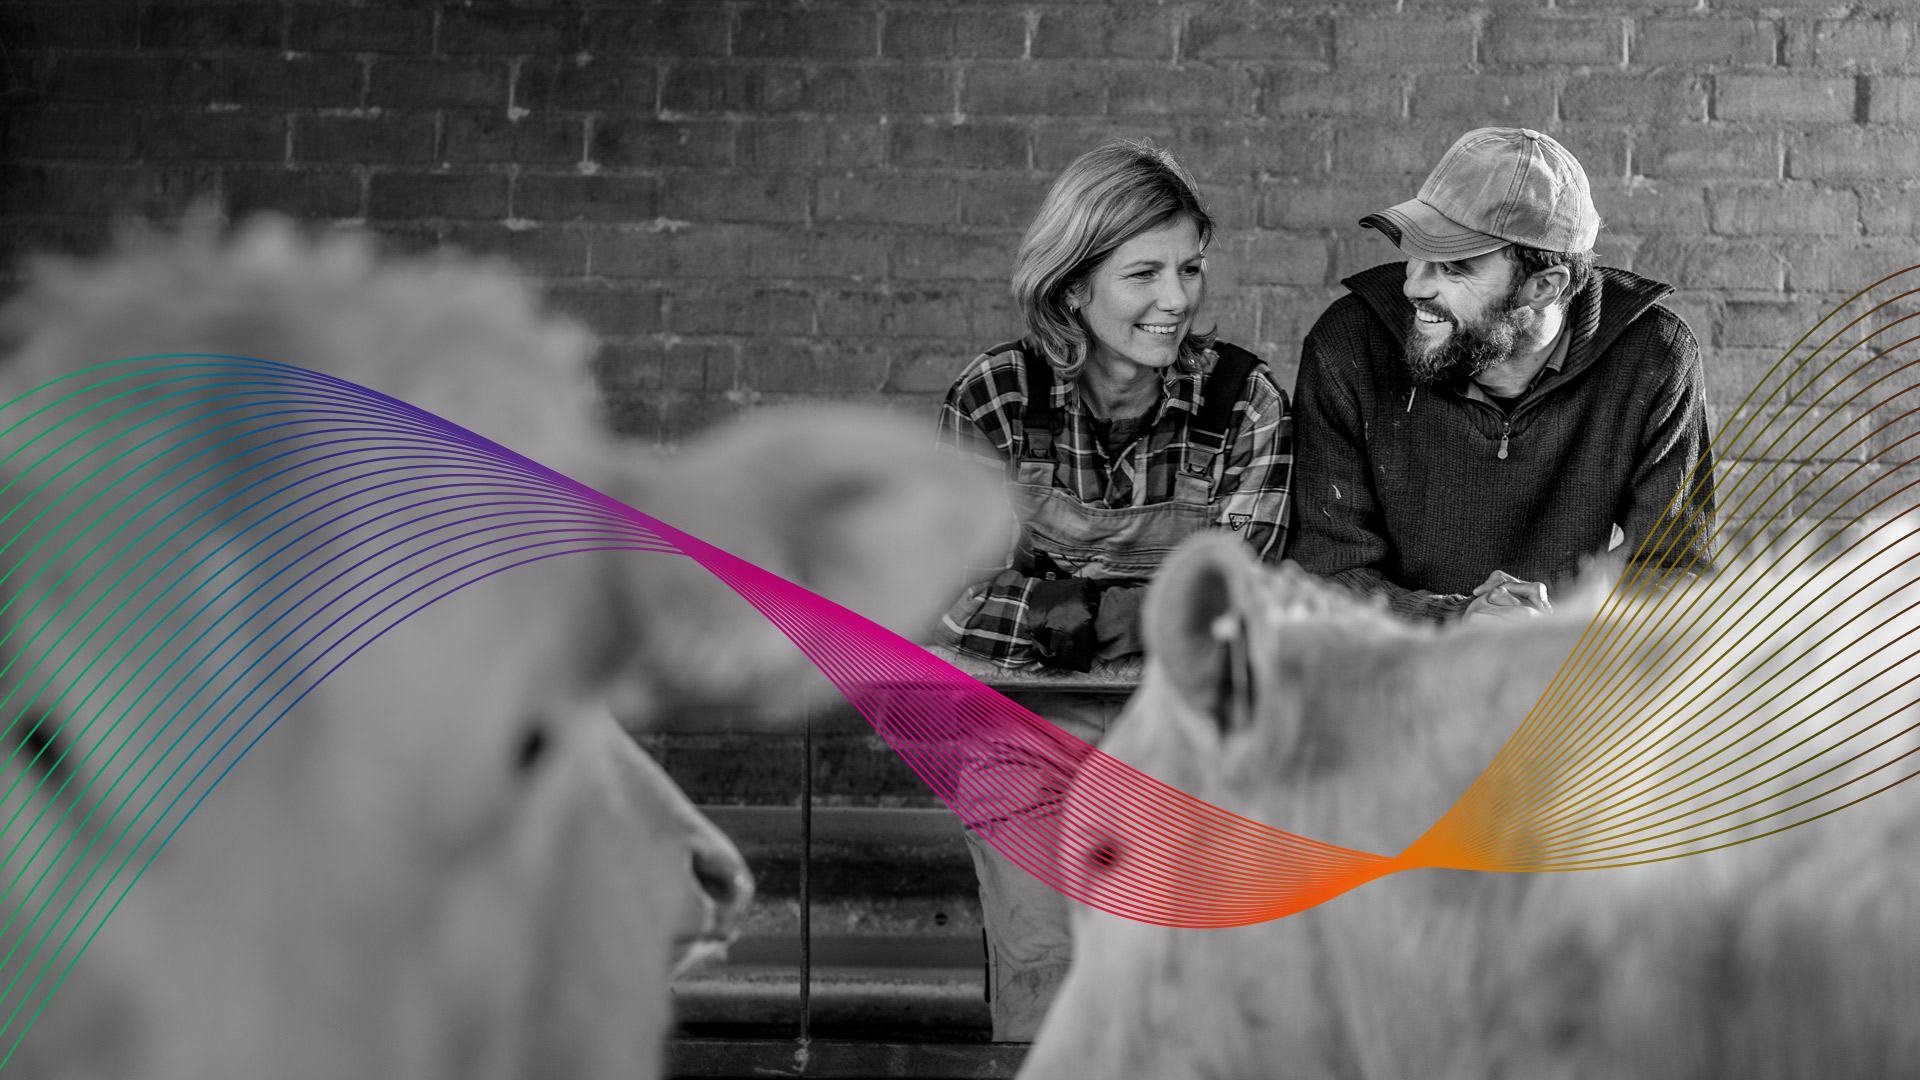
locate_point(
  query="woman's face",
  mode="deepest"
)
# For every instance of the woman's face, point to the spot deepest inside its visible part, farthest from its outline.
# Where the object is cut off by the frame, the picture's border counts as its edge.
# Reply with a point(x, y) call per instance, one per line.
point(1141, 301)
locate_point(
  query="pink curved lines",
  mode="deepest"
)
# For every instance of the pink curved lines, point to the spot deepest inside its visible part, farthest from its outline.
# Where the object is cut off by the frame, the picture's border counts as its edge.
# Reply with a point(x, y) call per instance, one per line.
point(1187, 863)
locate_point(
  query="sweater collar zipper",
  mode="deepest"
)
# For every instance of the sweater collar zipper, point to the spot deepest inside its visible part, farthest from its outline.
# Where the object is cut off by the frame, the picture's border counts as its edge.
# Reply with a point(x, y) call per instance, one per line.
point(1506, 419)
point(1506, 424)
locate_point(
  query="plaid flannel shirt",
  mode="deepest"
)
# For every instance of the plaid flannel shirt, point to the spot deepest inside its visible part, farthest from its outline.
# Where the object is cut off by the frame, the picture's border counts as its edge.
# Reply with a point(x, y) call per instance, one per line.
point(981, 419)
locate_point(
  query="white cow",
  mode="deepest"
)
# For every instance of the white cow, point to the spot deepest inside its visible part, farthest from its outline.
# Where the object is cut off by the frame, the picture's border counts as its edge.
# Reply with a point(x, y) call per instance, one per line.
point(1796, 955)
point(449, 860)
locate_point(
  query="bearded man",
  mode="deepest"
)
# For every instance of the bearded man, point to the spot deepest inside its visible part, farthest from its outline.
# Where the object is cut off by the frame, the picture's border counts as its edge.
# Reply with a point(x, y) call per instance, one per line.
point(1473, 427)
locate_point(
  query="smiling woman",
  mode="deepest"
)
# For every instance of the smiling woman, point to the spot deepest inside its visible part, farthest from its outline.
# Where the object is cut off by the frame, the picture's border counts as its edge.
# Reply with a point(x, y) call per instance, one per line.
point(1138, 305)
point(1124, 427)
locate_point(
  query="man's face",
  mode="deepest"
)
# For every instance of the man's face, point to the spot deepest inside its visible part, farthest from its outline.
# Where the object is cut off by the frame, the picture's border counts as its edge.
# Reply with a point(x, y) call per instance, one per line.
point(1467, 315)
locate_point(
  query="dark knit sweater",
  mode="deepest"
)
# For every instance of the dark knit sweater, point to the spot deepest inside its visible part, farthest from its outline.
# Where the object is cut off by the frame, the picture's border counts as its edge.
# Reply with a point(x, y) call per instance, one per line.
point(1404, 494)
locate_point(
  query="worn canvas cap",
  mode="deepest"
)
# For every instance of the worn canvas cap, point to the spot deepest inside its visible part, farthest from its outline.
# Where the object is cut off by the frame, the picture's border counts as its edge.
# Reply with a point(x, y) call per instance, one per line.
point(1495, 186)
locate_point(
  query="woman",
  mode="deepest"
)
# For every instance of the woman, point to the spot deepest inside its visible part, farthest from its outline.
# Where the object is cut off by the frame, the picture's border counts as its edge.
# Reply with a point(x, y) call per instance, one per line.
point(1124, 429)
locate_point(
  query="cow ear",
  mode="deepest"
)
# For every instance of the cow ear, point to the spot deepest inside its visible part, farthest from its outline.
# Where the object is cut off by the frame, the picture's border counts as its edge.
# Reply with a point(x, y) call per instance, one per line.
point(859, 507)
point(1198, 624)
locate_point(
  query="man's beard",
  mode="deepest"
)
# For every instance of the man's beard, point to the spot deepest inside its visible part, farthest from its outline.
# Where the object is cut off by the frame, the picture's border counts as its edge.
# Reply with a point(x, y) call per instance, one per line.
point(1472, 347)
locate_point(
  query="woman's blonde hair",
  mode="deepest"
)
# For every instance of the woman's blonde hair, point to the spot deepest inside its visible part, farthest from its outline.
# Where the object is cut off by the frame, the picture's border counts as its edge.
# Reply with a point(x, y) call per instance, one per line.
point(1105, 198)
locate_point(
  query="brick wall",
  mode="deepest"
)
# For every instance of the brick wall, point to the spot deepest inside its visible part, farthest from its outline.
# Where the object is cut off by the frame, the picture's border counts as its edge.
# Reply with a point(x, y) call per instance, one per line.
point(757, 202)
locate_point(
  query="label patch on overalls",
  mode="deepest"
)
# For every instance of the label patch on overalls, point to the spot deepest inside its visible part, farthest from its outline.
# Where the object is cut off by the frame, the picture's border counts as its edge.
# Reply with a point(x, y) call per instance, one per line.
point(1237, 520)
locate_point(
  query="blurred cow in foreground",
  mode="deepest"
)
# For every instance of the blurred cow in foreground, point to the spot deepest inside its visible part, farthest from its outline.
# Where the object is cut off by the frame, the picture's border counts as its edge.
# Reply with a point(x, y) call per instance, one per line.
point(449, 860)
point(1796, 955)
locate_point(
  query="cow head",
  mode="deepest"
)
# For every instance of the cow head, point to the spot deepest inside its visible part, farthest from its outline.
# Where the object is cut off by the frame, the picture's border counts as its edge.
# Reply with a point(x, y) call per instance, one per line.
point(1272, 698)
point(1287, 701)
point(449, 860)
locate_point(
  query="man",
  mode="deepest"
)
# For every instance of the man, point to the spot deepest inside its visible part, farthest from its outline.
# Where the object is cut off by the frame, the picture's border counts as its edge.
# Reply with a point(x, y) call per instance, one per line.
point(1474, 426)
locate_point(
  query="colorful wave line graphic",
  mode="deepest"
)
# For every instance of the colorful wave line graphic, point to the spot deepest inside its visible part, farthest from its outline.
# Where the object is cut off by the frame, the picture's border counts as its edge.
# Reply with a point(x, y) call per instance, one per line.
point(196, 542)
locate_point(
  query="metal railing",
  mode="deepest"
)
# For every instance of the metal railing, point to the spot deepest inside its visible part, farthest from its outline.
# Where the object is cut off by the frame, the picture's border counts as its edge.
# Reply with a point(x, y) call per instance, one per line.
point(709, 1057)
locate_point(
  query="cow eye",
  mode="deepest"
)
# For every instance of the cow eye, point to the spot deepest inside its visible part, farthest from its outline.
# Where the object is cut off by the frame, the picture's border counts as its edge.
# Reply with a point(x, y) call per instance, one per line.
point(36, 735)
point(1104, 855)
point(531, 748)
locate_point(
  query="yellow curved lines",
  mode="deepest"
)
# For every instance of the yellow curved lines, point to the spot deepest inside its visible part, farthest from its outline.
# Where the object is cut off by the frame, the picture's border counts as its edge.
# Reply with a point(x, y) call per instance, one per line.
point(1708, 706)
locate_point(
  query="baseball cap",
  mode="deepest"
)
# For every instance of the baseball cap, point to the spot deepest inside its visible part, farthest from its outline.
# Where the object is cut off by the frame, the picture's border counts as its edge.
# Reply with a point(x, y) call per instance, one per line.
point(1495, 186)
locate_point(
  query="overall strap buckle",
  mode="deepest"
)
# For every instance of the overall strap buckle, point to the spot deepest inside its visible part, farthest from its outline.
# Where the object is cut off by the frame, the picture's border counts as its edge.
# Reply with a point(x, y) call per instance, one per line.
point(1202, 448)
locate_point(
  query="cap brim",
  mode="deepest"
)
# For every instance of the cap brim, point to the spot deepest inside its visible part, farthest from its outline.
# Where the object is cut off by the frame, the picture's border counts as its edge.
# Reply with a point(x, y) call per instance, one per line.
point(1427, 234)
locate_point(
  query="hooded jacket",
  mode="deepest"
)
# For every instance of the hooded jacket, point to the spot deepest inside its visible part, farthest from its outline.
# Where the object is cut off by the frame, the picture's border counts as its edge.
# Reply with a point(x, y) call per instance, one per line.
point(1418, 495)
